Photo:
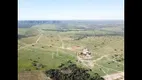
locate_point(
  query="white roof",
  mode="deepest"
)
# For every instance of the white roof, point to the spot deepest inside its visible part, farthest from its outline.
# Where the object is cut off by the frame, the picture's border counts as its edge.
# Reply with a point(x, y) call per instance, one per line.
point(85, 51)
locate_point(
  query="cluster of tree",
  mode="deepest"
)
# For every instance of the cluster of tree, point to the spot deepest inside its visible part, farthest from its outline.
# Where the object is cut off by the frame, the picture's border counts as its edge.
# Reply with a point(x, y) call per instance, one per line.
point(70, 71)
point(118, 57)
point(36, 64)
point(62, 30)
point(80, 36)
point(59, 30)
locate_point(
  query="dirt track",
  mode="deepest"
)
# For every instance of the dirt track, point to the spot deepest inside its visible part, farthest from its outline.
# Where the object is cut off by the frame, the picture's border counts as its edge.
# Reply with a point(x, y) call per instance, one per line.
point(115, 76)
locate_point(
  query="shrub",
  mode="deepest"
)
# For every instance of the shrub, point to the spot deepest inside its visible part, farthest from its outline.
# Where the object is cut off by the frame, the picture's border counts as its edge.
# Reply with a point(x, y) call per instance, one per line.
point(34, 64)
point(27, 69)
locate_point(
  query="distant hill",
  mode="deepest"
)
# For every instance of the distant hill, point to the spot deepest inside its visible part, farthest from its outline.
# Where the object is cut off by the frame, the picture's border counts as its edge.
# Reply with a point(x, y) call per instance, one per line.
point(71, 23)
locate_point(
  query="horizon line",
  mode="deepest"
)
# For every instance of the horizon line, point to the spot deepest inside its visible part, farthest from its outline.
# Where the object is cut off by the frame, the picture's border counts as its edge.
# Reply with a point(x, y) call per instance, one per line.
point(70, 19)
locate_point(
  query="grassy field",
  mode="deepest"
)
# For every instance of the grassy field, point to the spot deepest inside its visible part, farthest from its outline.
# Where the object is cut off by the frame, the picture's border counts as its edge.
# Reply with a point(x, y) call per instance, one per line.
point(52, 48)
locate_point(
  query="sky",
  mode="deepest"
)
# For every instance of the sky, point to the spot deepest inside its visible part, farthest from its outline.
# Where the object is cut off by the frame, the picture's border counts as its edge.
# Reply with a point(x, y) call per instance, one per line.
point(70, 9)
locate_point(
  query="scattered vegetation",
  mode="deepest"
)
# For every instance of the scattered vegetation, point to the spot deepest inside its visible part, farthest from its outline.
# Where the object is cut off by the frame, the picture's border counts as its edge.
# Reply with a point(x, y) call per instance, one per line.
point(36, 64)
point(32, 32)
point(118, 57)
point(100, 40)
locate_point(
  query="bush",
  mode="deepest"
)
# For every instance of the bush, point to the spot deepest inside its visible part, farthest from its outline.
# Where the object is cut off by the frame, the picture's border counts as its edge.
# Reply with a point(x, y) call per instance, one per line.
point(34, 64)
point(38, 57)
point(27, 69)
point(37, 65)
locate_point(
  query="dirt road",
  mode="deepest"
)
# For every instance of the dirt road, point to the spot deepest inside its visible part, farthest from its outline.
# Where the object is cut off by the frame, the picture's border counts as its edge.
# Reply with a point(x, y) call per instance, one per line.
point(115, 76)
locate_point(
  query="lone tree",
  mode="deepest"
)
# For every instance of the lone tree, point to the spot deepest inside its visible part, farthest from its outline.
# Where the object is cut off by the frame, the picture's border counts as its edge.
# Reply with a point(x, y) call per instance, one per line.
point(70, 71)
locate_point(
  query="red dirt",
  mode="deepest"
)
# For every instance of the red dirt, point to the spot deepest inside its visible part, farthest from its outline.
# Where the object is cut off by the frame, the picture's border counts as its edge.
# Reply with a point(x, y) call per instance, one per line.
point(76, 47)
